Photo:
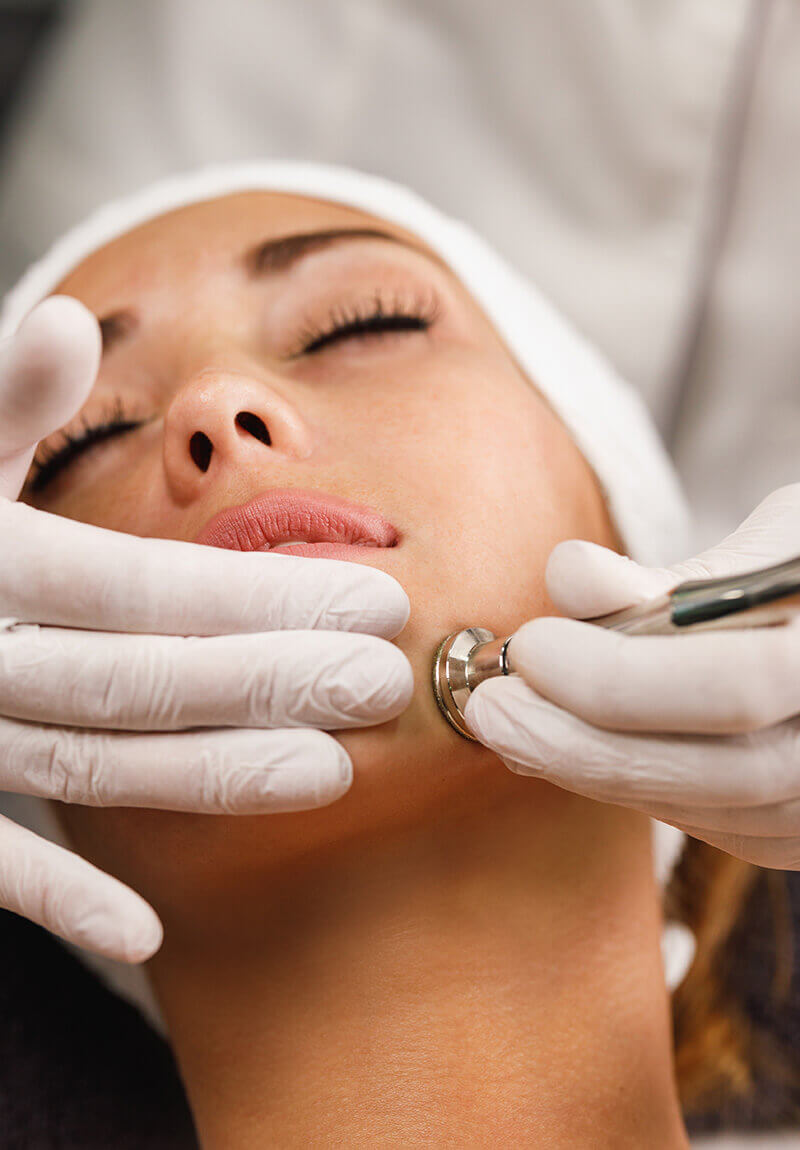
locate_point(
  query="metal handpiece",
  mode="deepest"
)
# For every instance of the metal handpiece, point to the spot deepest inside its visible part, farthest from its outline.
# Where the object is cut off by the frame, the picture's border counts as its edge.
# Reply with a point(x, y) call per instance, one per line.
point(763, 598)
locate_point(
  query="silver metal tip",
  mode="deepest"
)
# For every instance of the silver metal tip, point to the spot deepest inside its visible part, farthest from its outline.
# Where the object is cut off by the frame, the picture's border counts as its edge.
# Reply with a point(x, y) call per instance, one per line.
point(450, 686)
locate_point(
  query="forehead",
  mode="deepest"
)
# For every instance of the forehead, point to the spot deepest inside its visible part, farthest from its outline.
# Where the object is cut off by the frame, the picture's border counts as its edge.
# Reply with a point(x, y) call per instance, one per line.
point(206, 236)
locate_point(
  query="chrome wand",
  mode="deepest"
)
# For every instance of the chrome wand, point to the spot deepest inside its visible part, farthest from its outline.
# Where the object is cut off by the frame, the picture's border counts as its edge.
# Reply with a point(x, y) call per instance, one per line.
point(764, 598)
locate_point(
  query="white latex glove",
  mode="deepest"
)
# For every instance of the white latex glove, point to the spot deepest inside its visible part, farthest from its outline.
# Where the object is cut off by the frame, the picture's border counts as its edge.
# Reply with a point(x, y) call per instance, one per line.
point(93, 663)
point(700, 731)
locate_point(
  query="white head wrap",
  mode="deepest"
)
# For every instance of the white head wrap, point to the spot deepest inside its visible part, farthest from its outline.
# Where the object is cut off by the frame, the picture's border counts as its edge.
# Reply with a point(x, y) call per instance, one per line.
point(603, 414)
point(605, 417)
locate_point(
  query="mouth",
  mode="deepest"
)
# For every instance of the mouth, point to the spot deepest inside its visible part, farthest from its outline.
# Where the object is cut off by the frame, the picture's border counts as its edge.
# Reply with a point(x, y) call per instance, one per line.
point(294, 522)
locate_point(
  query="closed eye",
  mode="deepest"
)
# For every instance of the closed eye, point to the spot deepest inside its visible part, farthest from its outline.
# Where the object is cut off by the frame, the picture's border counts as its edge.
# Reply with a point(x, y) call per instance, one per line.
point(374, 318)
point(50, 461)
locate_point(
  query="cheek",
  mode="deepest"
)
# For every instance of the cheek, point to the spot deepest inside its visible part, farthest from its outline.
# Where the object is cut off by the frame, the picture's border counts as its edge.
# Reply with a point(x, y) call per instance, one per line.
point(122, 494)
point(487, 509)
point(489, 482)
point(497, 485)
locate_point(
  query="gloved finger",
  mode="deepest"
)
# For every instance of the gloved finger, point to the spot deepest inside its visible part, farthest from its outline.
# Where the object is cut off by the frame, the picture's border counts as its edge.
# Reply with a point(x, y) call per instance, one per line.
point(47, 370)
point(59, 571)
point(323, 679)
point(238, 771)
point(585, 580)
point(709, 683)
point(67, 895)
point(765, 820)
point(778, 853)
point(633, 770)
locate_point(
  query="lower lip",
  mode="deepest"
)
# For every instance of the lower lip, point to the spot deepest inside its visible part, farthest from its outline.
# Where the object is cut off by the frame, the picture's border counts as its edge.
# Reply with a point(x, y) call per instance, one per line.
point(348, 551)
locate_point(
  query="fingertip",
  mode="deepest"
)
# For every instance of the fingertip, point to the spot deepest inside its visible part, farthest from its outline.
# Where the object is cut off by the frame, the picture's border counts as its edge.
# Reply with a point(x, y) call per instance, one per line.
point(62, 327)
point(576, 575)
point(389, 684)
point(474, 713)
point(402, 612)
point(373, 602)
point(323, 780)
point(541, 643)
point(344, 767)
point(62, 313)
point(126, 929)
point(304, 768)
point(585, 580)
point(397, 690)
point(359, 680)
point(570, 552)
point(504, 715)
point(144, 940)
point(392, 602)
point(485, 709)
point(53, 363)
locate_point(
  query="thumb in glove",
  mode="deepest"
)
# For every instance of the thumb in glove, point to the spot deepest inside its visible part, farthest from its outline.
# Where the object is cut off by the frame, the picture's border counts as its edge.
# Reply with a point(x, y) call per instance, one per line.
point(585, 580)
point(47, 370)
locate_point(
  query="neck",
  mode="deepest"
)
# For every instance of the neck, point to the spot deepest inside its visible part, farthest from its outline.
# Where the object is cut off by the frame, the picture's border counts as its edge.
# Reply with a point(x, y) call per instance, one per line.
point(482, 981)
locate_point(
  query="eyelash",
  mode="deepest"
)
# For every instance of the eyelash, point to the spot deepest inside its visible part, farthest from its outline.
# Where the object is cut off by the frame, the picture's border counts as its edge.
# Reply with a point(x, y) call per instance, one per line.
point(49, 461)
point(377, 317)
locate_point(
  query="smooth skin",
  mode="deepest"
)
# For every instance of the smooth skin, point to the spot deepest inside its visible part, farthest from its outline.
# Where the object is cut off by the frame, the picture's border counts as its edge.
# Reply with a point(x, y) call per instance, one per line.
point(448, 955)
point(93, 646)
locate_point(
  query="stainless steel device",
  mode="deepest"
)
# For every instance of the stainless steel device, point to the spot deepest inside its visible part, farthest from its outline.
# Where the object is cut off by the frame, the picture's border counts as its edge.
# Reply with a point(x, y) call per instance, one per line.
point(764, 598)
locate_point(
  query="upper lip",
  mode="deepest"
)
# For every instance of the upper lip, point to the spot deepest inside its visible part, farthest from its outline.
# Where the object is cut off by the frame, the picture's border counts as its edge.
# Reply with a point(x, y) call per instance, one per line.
point(288, 513)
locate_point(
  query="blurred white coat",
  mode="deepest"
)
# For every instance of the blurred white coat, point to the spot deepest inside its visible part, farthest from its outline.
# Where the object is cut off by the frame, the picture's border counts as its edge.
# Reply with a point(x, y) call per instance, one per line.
point(640, 159)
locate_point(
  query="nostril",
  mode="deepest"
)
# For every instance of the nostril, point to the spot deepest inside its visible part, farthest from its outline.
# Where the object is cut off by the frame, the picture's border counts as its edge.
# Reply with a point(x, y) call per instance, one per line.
point(252, 424)
point(200, 448)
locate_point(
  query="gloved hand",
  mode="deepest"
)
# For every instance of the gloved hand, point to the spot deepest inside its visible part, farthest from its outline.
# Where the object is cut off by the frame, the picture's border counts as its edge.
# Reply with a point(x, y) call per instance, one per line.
point(91, 645)
point(700, 731)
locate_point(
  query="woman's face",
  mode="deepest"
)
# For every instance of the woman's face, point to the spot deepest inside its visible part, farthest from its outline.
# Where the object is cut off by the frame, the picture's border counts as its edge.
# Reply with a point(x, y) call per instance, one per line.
point(350, 364)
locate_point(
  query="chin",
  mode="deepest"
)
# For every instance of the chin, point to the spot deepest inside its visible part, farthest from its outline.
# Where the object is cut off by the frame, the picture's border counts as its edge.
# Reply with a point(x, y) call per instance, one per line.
point(407, 773)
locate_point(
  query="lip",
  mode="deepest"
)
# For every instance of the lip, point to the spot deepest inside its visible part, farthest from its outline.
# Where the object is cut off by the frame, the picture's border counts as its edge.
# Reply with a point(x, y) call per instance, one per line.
point(326, 526)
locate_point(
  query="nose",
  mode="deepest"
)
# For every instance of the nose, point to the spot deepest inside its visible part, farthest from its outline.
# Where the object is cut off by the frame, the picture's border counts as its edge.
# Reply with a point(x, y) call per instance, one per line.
point(226, 421)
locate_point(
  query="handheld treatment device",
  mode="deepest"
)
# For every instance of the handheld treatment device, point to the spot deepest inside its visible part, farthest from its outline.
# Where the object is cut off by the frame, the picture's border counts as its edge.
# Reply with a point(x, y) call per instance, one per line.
point(763, 598)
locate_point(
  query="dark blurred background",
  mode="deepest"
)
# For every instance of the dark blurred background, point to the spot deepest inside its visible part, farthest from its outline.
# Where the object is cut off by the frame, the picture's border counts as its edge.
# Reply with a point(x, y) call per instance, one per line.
point(24, 28)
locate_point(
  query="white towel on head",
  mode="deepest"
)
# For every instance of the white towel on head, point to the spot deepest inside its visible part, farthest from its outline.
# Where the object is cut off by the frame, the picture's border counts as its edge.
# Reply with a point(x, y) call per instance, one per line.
point(603, 414)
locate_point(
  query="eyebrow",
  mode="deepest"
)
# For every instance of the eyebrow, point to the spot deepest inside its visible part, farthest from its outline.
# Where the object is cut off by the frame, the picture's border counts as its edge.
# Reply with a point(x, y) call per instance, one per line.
point(115, 327)
point(280, 254)
point(267, 258)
